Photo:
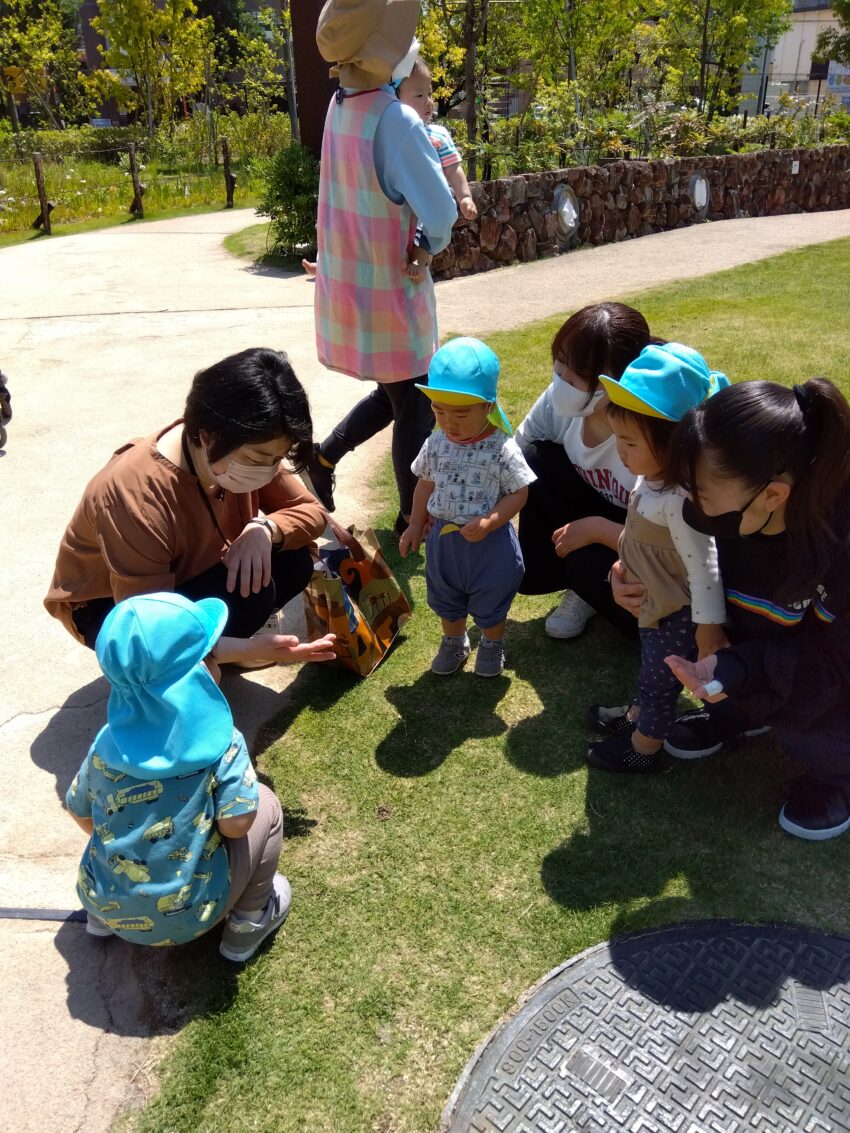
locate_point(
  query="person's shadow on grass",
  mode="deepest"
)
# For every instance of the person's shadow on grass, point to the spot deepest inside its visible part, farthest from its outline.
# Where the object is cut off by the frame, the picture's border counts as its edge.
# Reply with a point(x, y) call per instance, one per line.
point(700, 841)
point(566, 676)
point(128, 989)
point(436, 716)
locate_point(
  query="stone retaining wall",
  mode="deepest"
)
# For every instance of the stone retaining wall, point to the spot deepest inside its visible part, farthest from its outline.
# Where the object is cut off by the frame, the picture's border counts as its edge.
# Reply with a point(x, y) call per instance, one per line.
point(518, 220)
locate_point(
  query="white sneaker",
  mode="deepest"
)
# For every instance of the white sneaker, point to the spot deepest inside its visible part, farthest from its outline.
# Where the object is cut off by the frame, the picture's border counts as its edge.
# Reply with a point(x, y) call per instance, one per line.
point(570, 617)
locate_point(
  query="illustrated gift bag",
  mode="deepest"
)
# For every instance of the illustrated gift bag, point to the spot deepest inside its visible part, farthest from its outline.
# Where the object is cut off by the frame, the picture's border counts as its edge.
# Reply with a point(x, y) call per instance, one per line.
point(353, 594)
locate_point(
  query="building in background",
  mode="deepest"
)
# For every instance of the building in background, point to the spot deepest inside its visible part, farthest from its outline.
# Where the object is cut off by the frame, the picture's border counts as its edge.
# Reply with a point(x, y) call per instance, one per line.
point(786, 67)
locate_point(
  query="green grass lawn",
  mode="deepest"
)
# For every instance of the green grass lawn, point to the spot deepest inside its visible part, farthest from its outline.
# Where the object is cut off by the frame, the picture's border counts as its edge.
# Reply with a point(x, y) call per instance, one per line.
point(252, 243)
point(447, 845)
point(74, 228)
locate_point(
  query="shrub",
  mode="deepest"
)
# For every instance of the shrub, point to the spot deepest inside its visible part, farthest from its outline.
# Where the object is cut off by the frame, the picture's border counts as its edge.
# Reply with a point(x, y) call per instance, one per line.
point(290, 197)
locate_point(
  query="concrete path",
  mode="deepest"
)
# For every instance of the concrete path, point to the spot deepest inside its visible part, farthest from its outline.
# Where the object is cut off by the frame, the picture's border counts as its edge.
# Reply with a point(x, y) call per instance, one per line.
point(100, 335)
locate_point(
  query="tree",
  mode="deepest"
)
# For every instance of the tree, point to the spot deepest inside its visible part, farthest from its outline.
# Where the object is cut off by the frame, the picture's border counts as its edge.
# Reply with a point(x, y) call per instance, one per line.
point(707, 43)
point(834, 43)
point(39, 60)
point(161, 47)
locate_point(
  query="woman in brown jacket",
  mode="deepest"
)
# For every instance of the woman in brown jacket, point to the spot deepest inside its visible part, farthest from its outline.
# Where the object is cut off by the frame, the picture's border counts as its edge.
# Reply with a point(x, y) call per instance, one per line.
point(204, 508)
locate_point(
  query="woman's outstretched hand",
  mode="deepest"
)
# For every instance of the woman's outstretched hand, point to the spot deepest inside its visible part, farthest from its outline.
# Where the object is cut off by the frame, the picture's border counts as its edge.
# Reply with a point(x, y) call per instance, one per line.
point(695, 675)
point(274, 649)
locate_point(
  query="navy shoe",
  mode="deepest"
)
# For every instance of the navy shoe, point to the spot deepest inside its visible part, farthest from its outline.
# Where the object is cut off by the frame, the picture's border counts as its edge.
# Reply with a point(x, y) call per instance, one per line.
point(699, 733)
point(617, 754)
point(815, 810)
point(609, 721)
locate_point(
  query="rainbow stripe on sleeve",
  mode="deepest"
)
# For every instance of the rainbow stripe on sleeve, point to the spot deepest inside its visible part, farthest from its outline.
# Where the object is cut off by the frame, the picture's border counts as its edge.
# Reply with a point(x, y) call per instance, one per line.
point(781, 615)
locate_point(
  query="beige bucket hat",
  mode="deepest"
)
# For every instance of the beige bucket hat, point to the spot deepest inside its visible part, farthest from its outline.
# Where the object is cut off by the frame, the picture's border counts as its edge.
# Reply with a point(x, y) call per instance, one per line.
point(366, 38)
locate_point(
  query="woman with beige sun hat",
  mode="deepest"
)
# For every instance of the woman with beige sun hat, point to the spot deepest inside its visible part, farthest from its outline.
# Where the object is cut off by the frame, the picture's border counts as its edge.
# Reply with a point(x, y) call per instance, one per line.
point(380, 176)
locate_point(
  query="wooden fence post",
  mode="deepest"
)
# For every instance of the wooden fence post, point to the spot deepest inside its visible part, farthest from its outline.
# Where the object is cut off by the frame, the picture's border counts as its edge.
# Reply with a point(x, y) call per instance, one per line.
point(137, 209)
point(43, 218)
point(229, 178)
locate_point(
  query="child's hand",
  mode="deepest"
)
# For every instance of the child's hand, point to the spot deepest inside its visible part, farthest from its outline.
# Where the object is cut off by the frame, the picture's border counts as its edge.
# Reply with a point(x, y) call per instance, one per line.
point(476, 529)
point(695, 675)
point(418, 261)
point(710, 638)
point(573, 536)
point(410, 539)
point(468, 208)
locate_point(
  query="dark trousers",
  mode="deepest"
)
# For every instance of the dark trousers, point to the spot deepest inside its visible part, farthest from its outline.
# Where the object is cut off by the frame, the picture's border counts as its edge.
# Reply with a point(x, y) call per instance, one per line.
point(407, 409)
point(822, 750)
point(558, 496)
point(291, 571)
point(658, 689)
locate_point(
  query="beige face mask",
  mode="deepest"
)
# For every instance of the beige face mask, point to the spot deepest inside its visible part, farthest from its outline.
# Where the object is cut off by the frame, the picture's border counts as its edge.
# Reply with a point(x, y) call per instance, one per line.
point(240, 478)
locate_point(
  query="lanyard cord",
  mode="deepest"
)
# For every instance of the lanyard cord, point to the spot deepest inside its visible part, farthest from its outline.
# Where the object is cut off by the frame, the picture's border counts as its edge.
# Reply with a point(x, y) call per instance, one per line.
point(184, 444)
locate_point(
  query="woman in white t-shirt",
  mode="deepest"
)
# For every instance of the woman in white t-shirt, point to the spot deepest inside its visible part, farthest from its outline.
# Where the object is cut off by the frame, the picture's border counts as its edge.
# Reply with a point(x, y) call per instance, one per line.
point(577, 506)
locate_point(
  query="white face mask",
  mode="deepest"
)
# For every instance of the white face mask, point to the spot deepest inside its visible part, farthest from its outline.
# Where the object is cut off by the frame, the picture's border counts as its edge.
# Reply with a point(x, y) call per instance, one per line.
point(567, 401)
point(245, 477)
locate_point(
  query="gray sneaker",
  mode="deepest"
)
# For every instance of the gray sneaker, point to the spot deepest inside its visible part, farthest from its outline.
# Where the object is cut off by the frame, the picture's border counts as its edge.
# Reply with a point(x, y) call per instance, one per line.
point(242, 938)
point(96, 927)
point(490, 658)
point(451, 655)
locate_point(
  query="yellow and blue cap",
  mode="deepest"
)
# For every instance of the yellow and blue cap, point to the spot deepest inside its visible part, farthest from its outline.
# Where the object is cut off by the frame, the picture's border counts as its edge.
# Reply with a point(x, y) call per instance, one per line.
point(463, 372)
point(665, 381)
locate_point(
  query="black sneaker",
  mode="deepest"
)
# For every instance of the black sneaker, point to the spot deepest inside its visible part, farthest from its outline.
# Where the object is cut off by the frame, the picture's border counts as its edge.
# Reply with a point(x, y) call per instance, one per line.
point(322, 480)
point(617, 754)
point(609, 721)
point(401, 525)
point(697, 733)
point(815, 810)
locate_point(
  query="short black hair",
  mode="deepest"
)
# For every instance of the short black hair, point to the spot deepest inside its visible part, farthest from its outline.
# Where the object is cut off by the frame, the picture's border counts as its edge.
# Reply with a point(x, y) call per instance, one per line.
point(249, 398)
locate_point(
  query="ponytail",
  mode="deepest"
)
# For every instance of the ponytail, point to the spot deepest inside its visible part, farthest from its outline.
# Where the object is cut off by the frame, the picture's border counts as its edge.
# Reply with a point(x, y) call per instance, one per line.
point(756, 431)
point(820, 474)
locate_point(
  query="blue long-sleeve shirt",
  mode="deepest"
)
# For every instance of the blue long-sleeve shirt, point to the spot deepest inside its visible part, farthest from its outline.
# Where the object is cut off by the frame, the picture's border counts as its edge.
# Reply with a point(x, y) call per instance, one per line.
point(408, 170)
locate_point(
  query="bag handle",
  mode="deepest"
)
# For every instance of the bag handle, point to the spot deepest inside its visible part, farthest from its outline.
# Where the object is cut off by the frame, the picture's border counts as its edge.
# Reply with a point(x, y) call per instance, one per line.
point(346, 538)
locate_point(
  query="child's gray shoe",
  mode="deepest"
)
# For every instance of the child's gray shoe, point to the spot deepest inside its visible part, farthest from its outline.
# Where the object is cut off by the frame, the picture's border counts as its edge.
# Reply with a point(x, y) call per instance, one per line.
point(242, 938)
point(96, 927)
point(490, 658)
point(451, 655)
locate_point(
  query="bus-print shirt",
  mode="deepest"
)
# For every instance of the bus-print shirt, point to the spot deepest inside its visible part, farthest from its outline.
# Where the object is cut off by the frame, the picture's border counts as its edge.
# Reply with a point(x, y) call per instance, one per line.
point(470, 479)
point(156, 870)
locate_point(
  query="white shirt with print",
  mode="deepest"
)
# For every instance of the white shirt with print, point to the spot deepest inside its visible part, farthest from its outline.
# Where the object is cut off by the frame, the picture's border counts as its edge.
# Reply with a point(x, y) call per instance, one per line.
point(470, 479)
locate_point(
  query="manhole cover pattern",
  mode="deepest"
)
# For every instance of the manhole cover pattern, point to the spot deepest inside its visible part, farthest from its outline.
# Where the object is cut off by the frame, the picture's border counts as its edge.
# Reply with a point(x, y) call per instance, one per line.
point(711, 1028)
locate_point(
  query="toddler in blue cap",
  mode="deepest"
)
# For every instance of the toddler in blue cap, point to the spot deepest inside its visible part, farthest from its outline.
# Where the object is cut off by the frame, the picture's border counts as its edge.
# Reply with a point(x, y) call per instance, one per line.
point(473, 479)
point(180, 832)
point(683, 607)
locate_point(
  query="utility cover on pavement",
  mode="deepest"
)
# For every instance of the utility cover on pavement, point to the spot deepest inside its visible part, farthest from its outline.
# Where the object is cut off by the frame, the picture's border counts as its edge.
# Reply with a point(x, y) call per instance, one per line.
point(703, 1028)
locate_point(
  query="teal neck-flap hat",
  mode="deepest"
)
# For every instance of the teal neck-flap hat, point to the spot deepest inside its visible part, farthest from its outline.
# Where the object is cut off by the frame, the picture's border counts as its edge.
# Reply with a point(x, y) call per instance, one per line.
point(166, 715)
point(665, 381)
point(463, 372)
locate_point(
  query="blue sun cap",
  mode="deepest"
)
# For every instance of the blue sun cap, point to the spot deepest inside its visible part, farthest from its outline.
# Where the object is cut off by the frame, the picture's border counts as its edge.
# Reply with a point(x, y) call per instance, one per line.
point(166, 715)
point(665, 381)
point(463, 372)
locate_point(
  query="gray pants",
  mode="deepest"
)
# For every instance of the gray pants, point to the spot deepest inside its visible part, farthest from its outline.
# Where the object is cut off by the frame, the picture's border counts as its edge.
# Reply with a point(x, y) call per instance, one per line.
point(254, 856)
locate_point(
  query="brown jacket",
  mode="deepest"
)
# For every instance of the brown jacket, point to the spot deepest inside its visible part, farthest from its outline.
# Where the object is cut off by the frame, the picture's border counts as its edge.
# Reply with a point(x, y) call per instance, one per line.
point(142, 526)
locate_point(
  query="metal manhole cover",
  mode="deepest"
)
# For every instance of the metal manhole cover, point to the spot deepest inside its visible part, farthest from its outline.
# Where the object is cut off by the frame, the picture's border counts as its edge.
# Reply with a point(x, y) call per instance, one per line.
point(700, 1028)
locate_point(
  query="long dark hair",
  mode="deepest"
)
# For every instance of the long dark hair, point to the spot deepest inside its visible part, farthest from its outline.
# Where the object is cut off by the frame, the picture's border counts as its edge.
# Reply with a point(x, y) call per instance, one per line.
point(756, 431)
point(602, 338)
point(249, 398)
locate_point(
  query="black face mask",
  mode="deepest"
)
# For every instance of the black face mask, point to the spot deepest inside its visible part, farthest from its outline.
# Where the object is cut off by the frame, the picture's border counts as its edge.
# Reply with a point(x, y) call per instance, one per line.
point(727, 525)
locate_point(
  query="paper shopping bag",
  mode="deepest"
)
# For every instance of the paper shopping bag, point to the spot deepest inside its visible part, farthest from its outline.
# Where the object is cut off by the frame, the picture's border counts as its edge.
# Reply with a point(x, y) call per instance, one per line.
point(353, 594)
